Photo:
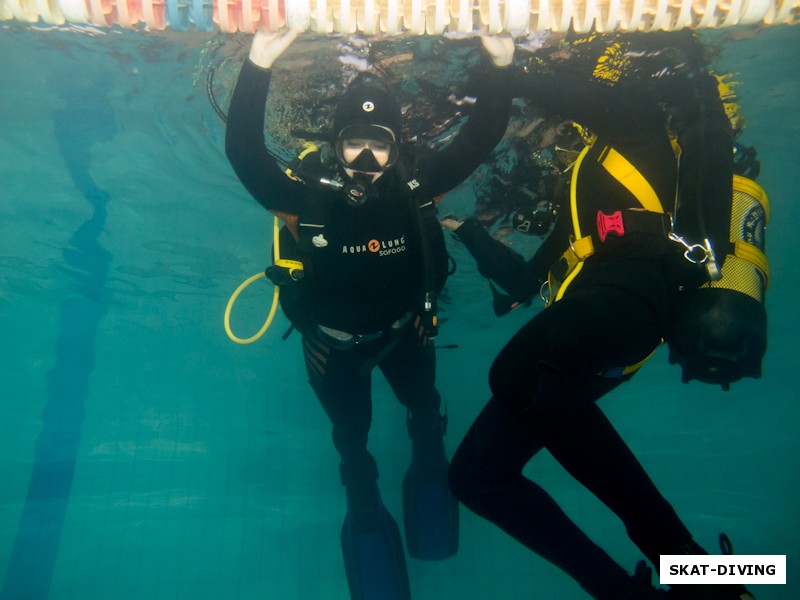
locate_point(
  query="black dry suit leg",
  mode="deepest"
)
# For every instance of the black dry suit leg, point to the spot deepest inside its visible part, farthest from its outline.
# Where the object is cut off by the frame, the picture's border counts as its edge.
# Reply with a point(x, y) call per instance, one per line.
point(430, 510)
point(429, 507)
point(546, 383)
point(584, 442)
point(593, 330)
point(372, 548)
point(486, 475)
point(708, 592)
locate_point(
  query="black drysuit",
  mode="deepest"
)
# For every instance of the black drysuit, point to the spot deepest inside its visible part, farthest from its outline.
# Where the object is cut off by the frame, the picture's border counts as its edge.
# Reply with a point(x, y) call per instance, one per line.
point(367, 271)
point(545, 382)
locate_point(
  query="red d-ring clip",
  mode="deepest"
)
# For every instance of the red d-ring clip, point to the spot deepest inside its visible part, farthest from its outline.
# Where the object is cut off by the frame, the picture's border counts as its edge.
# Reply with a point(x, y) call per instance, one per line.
point(609, 224)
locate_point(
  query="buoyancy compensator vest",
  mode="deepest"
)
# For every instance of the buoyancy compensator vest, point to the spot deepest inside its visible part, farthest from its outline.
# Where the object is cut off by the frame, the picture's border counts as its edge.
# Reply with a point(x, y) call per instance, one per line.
point(718, 333)
point(309, 233)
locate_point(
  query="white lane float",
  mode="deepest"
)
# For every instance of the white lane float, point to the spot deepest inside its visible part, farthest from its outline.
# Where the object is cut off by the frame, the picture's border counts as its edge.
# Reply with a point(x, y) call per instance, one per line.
point(416, 17)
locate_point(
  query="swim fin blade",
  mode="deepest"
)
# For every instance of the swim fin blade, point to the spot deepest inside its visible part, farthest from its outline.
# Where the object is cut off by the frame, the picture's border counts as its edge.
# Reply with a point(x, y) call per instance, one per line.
point(374, 559)
point(430, 510)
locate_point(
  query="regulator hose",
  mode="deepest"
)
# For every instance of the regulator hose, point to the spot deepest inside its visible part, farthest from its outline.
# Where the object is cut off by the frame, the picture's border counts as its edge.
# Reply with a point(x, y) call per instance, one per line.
point(273, 309)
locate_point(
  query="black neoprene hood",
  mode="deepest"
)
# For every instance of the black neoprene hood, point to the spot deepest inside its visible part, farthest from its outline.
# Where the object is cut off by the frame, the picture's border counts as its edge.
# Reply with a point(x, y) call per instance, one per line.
point(367, 102)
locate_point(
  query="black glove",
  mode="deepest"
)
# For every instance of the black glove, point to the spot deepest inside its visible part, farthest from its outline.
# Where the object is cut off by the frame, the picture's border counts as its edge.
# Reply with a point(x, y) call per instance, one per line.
point(311, 171)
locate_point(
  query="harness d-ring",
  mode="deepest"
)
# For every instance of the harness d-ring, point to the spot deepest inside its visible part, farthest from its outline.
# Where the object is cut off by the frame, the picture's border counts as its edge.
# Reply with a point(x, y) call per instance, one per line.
point(546, 285)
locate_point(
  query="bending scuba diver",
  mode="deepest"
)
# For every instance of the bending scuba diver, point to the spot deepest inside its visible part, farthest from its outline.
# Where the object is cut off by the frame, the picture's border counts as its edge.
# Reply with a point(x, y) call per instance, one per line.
point(614, 276)
point(374, 261)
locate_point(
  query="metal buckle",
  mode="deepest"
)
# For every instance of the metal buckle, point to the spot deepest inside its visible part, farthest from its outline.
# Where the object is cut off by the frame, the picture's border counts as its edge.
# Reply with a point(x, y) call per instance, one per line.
point(368, 337)
point(695, 253)
point(698, 254)
point(401, 322)
point(342, 340)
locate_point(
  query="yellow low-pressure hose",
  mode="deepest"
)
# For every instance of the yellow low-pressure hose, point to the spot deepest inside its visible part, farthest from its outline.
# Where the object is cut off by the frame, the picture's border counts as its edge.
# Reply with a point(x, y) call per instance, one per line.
point(245, 284)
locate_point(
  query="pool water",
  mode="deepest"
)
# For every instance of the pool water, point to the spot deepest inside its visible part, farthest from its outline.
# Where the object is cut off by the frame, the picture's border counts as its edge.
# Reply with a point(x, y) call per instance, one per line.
point(144, 455)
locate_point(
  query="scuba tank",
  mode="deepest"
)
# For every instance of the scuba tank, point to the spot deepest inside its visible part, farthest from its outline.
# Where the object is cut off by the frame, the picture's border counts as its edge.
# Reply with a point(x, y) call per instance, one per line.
point(719, 331)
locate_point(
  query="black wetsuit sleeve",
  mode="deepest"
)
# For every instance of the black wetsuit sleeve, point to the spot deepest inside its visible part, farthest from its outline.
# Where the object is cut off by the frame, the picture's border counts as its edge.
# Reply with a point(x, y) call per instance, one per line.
point(705, 135)
point(606, 111)
point(443, 170)
point(519, 278)
point(706, 176)
point(246, 150)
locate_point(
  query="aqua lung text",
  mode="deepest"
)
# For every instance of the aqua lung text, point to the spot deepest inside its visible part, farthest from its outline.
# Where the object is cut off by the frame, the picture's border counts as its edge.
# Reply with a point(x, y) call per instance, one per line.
point(381, 247)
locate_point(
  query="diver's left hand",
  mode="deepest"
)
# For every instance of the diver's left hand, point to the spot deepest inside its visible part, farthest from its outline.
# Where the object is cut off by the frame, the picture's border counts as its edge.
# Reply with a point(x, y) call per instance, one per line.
point(451, 223)
point(500, 48)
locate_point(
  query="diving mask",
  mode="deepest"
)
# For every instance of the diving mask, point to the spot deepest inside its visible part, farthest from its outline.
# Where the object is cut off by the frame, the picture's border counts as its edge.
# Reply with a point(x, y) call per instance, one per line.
point(365, 152)
point(367, 148)
point(365, 156)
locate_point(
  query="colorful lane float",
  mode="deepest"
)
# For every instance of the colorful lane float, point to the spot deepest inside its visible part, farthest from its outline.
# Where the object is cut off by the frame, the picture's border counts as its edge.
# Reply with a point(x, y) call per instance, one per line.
point(416, 17)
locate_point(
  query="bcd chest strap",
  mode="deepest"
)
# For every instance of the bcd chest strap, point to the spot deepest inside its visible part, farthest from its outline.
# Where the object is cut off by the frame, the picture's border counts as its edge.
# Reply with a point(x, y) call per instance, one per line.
point(649, 219)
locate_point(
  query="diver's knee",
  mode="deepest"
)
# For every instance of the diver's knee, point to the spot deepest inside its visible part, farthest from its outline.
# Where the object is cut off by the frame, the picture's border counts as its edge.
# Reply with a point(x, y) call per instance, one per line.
point(472, 481)
point(457, 473)
point(461, 476)
point(465, 489)
point(500, 378)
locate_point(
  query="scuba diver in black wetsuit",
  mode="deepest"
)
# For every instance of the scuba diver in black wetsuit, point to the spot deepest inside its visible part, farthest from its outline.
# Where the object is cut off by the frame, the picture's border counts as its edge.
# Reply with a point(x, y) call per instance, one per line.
point(374, 260)
point(613, 270)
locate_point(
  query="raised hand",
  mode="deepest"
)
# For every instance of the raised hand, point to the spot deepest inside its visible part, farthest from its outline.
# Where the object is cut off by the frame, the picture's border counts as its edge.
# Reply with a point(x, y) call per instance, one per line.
point(268, 46)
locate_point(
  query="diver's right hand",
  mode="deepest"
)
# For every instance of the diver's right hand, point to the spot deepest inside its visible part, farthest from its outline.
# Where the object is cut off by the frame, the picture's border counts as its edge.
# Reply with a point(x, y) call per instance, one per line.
point(268, 46)
point(500, 48)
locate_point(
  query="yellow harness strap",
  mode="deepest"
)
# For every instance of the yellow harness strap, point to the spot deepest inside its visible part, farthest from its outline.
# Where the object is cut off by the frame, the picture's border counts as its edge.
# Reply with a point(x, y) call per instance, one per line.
point(578, 250)
point(621, 169)
point(572, 260)
point(581, 247)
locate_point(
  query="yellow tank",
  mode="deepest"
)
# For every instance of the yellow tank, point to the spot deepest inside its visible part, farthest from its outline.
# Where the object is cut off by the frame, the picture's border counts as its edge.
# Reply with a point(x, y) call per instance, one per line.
point(719, 331)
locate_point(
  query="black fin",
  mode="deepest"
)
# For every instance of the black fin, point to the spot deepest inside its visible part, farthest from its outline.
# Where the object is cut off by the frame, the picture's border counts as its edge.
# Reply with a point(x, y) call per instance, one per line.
point(374, 559)
point(430, 510)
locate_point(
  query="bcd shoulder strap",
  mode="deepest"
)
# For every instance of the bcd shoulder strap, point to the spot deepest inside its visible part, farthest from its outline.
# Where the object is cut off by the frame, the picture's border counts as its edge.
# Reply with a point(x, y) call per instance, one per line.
point(424, 210)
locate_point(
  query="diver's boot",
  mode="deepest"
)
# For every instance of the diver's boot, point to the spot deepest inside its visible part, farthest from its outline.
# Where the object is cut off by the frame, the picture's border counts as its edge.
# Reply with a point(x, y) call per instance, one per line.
point(429, 507)
point(641, 585)
point(708, 591)
point(371, 546)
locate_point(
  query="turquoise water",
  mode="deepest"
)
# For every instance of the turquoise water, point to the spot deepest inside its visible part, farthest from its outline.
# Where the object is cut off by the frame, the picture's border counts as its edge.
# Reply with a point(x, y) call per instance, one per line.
point(144, 455)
